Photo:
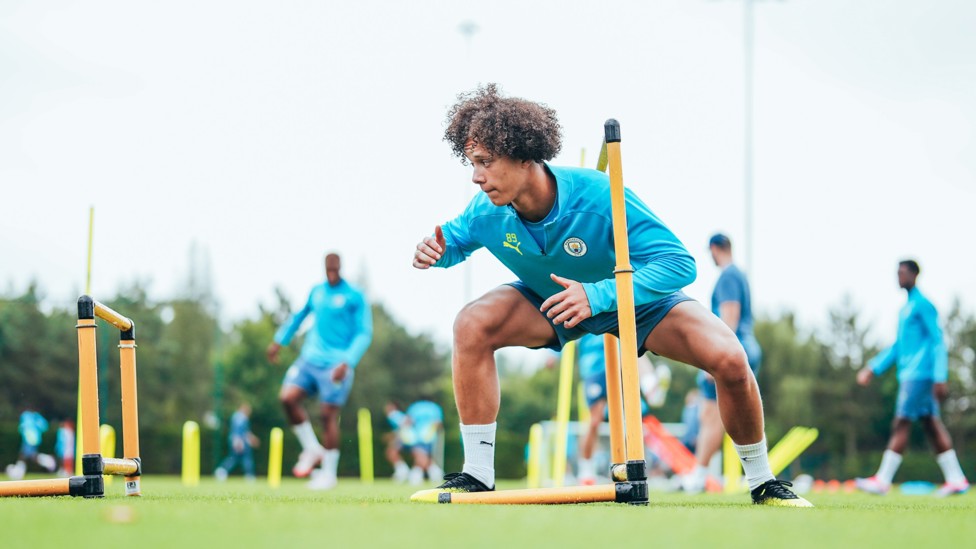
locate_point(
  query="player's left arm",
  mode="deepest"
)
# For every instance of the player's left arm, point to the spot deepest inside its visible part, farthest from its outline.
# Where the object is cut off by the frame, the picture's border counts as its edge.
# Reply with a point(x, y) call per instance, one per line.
point(662, 264)
point(364, 332)
point(940, 355)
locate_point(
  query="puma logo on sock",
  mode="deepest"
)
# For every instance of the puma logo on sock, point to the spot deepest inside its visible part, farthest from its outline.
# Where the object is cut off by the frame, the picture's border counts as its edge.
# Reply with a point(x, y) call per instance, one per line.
point(486, 443)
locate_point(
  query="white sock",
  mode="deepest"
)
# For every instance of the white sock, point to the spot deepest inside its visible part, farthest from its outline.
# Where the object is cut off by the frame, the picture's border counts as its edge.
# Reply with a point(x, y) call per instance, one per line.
point(755, 463)
point(889, 466)
point(479, 452)
point(950, 467)
point(306, 436)
point(330, 462)
point(586, 468)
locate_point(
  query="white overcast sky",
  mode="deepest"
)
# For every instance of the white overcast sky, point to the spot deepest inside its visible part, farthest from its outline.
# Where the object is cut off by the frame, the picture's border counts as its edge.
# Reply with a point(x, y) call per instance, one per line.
point(271, 132)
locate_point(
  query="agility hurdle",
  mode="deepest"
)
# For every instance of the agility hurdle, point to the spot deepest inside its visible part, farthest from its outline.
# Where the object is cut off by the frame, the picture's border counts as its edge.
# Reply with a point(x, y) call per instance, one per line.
point(90, 484)
point(628, 469)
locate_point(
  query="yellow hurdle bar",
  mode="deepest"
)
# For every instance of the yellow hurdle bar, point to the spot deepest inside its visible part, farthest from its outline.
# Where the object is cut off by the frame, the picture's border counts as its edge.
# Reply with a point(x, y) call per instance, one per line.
point(625, 298)
point(36, 488)
point(576, 494)
point(112, 317)
point(121, 466)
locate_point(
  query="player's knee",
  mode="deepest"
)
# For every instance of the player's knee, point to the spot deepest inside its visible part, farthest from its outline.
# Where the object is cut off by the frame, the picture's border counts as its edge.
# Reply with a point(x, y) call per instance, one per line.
point(730, 367)
point(475, 327)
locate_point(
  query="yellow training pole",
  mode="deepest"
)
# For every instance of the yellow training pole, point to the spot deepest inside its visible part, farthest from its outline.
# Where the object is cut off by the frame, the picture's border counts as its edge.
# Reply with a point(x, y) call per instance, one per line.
point(564, 404)
point(130, 405)
point(534, 465)
point(365, 446)
point(615, 407)
point(36, 488)
point(275, 445)
point(79, 424)
point(731, 468)
point(625, 303)
point(574, 494)
point(191, 454)
point(107, 444)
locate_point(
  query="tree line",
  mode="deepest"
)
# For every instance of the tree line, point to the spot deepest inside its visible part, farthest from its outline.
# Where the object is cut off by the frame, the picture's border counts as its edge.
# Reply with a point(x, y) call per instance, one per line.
point(190, 367)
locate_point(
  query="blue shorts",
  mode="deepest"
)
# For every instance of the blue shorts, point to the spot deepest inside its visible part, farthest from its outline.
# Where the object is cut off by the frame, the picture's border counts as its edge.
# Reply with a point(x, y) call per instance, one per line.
point(426, 447)
point(317, 380)
point(595, 389)
point(28, 451)
point(916, 399)
point(753, 355)
point(648, 316)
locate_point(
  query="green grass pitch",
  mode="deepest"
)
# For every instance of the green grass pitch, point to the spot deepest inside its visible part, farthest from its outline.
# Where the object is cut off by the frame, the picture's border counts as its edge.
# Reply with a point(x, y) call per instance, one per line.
point(238, 514)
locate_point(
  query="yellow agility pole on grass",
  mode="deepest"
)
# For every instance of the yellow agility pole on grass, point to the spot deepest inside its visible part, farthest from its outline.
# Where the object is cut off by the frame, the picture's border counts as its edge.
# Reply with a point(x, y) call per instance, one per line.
point(615, 407)
point(626, 321)
point(796, 441)
point(107, 444)
point(191, 454)
point(365, 427)
point(534, 465)
point(565, 402)
point(79, 424)
point(275, 446)
point(731, 468)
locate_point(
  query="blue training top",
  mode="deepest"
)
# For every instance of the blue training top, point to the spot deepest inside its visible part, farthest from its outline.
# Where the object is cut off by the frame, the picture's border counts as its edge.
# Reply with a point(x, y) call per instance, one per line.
point(425, 416)
point(919, 351)
point(343, 326)
point(32, 426)
point(240, 426)
point(578, 242)
point(732, 285)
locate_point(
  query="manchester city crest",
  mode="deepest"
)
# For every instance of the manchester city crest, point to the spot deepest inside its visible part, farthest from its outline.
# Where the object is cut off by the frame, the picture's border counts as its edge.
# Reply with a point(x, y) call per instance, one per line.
point(575, 247)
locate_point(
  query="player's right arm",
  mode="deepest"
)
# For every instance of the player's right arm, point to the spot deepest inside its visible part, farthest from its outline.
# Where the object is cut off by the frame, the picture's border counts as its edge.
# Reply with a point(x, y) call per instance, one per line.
point(878, 365)
point(430, 250)
point(288, 330)
point(450, 244)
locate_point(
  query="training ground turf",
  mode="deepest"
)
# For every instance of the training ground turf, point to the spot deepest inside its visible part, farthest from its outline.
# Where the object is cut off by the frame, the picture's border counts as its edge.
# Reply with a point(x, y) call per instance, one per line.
point(236, 515)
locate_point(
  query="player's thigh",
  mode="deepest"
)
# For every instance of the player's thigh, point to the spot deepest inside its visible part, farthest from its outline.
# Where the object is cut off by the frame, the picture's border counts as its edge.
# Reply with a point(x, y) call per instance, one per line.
point(692, 335)
point(502, 317)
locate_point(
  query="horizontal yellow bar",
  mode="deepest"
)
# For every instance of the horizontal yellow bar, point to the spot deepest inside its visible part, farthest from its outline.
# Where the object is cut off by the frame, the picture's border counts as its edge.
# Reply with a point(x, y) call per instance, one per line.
point(112, 317)
point(120, 466)
point(574, 494)
point(47, 487)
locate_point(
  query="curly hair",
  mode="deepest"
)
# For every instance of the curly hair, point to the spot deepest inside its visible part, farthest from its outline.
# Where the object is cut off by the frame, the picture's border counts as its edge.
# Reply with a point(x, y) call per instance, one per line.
point(506, 126)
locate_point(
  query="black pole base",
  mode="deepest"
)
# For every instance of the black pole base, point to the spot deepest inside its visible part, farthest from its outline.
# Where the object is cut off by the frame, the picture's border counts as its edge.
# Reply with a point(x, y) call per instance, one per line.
point(631, 492)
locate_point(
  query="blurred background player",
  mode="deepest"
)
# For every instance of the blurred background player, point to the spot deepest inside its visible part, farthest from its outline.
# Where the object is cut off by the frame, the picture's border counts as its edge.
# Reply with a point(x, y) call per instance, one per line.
point(64, 448)
point(242, 444)
point(732, 302)
point(591, 357)
point(593, 376)
point(417, 430)
point(691, 419)
point(341, 333)
point(922, 361)
point(31, 427)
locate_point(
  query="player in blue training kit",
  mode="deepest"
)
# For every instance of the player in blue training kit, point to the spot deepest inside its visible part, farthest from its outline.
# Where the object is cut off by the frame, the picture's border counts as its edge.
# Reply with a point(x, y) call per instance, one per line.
point(31, 426)
point(551, 226)
point(334, 345)
point(923, 369)
point(416, 431)
point(242, 444)
point(731, 302)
